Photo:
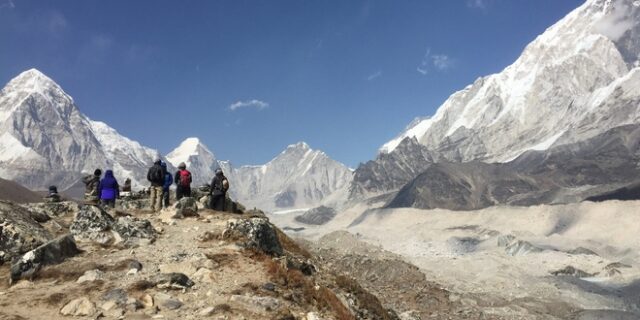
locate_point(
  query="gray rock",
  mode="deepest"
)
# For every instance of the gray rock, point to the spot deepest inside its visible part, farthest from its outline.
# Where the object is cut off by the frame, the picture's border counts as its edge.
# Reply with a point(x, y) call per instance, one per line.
point(19, 233)
point(258, 232)
point(54, 209)
point(93, 224)
point(91, 275)
point(583, 251)
point(79, 307)
point(186, 207)
point(129, 227)
point(571, 271)
point(165, 301)
point(172, 280)
point(133, 204)
point(521, 248)
point(52, 252)
point(505, 240)
point(117, 295)
point(317, 216)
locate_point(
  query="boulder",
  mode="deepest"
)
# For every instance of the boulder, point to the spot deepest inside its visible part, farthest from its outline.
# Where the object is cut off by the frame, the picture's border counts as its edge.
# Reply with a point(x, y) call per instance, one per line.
point(186, 207)
point(52, 252)
point(133, 229)
point(19, 232)
point(258, 234)
point(79, 307)
point(93, 224)
point(172, 280)
point(317, 216)
point(54, 209)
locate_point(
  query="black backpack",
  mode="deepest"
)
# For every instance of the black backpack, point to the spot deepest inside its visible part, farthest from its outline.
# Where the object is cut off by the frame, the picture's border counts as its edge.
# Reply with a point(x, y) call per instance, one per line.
point(156, 175)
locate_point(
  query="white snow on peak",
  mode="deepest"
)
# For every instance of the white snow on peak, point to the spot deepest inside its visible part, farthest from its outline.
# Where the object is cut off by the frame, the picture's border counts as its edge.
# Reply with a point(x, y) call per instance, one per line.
point(413, 131)
point(190, 147)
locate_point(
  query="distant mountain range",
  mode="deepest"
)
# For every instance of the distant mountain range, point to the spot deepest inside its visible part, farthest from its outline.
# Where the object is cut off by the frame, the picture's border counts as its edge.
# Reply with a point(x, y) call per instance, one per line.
point(574, 88)
point(46, 140)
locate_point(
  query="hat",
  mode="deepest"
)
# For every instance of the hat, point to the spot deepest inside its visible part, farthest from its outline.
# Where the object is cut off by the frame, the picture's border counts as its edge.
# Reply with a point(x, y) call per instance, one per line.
point(182, 165)
point(164, 165)
point(98, 172)
point(218, 171)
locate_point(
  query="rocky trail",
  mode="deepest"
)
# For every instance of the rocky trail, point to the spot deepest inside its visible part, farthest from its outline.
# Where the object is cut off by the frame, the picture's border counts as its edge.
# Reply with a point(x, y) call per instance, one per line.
point(138, 265)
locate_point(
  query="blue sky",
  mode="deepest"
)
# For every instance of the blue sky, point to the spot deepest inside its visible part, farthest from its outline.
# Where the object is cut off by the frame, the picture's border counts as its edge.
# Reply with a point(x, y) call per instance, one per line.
point(251, 77)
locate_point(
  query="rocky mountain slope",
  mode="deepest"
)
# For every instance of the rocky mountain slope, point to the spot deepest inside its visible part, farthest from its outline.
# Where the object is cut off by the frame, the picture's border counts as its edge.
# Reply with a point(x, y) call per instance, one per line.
point(567, 173)
point(12, 191)
point(577, 80)
point(299, 177)
point(45, 139)
point(65, 260)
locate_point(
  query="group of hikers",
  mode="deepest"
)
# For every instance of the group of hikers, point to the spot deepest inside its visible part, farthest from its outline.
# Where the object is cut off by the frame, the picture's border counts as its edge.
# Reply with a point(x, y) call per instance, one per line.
point(106, 190)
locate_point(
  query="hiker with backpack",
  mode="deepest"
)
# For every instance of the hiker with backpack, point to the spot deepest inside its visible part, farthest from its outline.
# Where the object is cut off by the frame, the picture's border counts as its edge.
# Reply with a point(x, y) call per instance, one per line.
point(183, 181)
point(92, 182)
point(219, 187)
point(168, 181)
point(155, 175)
point(109, 189)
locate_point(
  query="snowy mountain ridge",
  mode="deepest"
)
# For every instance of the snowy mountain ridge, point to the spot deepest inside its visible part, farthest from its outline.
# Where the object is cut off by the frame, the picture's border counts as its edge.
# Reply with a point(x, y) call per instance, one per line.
point(562, 71)
point(49, 141)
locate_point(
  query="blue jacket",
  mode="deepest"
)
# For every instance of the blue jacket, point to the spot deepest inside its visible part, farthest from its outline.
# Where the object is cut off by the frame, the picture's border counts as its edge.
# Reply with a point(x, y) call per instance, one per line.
point(108, 188)
point(168, 180)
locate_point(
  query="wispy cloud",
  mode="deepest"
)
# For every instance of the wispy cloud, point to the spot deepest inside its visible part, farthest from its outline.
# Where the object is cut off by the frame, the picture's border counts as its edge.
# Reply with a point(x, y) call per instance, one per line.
point(441, 62)
point(480, 4)
point(374, 75)
point(260, 105)
point(8, 4)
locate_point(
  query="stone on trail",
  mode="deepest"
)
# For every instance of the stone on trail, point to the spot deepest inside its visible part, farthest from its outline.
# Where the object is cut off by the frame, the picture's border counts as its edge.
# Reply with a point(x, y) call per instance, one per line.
point(91, 275)
point(173, 280)
point(258, 232)
point(256, 304)
point(79, 307)
point(94, 224)
point(186, 207)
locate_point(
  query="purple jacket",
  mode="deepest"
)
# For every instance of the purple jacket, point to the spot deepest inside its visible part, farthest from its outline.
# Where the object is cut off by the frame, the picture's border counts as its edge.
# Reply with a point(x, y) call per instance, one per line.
point(108, 188)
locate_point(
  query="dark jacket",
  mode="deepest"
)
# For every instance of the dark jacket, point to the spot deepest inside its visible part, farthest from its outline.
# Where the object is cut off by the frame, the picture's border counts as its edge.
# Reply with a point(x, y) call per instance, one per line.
point(108, 188)
point(176, 178)
point(155, 175)
point(217, 187)
point(91, 183)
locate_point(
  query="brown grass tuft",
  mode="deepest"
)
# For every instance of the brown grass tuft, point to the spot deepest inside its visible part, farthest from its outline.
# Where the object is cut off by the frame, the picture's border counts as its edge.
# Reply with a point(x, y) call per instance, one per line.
point(55, 299)
point(223, 307)
point(291, 246)
point(366, 300)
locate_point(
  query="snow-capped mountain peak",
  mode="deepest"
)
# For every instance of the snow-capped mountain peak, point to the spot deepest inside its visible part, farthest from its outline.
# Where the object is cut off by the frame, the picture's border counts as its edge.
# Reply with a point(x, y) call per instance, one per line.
point(57, 144)
point(199, 159)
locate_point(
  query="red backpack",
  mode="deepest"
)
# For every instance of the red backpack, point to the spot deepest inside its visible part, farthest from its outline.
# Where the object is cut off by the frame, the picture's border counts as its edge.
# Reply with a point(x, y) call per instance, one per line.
point(185, 178)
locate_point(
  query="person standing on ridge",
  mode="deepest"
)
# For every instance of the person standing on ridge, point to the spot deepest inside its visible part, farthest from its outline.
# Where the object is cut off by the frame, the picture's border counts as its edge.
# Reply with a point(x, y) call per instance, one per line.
point(168, 181)
point(183, 181)
point(53, 195)
point(155, 175)
point(92, 182)
point(219, 187)
point(109, 189)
